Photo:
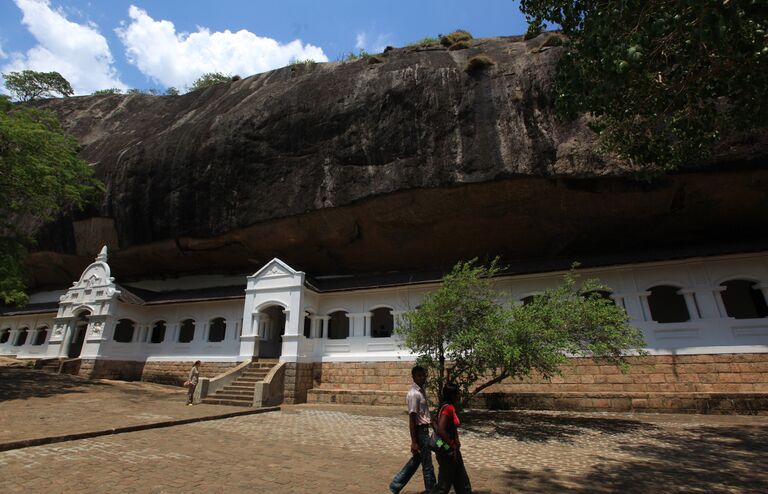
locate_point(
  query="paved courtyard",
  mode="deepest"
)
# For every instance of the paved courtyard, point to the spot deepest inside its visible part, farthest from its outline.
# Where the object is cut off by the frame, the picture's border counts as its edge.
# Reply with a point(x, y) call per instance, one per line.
point(357, 449)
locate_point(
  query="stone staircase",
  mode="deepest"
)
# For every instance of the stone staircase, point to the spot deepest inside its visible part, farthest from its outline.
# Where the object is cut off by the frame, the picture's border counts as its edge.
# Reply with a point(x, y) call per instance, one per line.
point(240, 392)
point(50, 365)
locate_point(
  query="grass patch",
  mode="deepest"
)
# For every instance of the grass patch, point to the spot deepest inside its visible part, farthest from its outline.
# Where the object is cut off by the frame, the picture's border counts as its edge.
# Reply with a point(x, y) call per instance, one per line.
point(478, 63)
point(424, 42)
point(455, 37)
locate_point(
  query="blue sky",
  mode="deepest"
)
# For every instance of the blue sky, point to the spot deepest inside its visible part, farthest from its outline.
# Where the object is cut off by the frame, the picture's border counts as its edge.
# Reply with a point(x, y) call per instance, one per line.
point(156, 44)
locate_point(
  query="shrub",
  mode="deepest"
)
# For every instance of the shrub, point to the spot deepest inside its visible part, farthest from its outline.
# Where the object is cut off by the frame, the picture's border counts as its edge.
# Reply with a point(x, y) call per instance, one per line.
point(423, 42)
point(352, 56)
point(455, 37)
point(479, 62)
point(461, 45)
point(307, 61)
point(112, 90)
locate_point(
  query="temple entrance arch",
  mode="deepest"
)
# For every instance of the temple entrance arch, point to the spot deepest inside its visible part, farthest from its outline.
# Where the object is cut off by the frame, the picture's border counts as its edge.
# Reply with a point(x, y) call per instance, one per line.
point(77, 335)
point(271, 331)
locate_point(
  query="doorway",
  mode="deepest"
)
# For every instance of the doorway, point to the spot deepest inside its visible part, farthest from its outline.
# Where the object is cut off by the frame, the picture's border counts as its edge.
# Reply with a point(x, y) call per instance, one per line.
point(273, 329)
point(78, 336)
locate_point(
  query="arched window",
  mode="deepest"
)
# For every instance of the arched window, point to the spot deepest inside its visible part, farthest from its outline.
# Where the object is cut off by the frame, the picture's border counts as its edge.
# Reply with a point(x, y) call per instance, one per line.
point(382, 323)
point(743, 300)
point(41, 336)
point(124, 331)
point(338, 325)
point(4, 335)
point(667, 305)
point(217, 330)
point(158, 332)
point(21, 338)
point(307, 325)
point(187, 331)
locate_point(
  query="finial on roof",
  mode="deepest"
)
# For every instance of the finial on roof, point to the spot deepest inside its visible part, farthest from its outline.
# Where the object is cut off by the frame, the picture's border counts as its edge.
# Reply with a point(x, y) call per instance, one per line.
point(102, 257)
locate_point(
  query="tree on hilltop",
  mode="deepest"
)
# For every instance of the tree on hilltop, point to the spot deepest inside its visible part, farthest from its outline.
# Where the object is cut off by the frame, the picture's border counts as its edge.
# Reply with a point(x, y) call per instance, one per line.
point(29, 85)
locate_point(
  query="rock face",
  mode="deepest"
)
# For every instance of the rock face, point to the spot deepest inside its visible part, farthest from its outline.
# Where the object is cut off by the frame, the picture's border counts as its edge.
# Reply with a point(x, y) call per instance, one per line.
point(410, 162)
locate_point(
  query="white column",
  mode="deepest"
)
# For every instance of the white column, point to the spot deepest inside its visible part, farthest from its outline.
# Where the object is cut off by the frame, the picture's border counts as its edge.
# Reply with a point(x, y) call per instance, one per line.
point(367, 321)
point(690, 302)
point(707, 301)
point(647, 316)
point(717, 293)
point(323, 325)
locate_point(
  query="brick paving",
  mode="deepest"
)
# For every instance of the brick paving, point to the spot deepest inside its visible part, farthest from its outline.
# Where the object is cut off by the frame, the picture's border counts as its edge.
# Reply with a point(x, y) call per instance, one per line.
point(316, 448)
point(358, 449)
point(36, 404)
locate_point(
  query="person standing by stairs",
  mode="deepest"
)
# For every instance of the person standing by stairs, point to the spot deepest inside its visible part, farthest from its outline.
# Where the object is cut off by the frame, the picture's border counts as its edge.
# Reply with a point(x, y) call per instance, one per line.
point(194, 375)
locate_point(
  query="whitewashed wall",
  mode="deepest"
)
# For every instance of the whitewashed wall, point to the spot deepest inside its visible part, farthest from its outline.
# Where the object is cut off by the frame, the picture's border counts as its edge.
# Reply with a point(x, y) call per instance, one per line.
point(709, 329)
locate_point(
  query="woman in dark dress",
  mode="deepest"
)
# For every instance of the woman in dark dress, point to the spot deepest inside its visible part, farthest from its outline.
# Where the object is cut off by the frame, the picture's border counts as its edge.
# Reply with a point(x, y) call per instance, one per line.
point(452, 471)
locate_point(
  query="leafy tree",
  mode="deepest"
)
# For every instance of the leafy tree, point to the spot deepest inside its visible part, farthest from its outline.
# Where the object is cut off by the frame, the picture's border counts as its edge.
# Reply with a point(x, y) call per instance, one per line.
point(465, 334)
point(29, 85)
point(210, 79)
point(171, 91)
point(664, 79)
point(40, 175)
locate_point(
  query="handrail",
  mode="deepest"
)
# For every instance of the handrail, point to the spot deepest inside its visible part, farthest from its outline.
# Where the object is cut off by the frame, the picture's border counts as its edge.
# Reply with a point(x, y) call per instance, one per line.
point(270, 391)
point(208, 386)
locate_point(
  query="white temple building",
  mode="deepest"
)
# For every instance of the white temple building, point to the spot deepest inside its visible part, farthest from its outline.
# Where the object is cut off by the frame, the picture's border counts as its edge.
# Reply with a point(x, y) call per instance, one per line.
point(320, 337)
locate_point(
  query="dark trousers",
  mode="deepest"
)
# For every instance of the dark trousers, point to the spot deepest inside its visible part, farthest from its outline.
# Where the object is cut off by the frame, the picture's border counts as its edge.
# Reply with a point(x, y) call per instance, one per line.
point(424, 459)
point(191, 393)
point(452, 474)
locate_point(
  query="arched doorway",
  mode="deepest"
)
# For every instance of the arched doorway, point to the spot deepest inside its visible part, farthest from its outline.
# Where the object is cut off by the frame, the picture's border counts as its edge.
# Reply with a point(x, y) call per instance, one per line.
point(77, 337)
point(272, 331)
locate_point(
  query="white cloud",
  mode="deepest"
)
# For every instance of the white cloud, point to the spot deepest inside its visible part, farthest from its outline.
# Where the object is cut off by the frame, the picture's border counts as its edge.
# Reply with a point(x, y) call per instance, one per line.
point(77, 51)
point(2, 53)
point(371, 42)
point(177, 59)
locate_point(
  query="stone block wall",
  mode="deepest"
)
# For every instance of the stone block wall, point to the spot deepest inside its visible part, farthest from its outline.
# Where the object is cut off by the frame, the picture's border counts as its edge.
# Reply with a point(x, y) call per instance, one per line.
point(724, 373)
point(298, 380)
point(174, 373)
point(369, 376)
point(178, 372)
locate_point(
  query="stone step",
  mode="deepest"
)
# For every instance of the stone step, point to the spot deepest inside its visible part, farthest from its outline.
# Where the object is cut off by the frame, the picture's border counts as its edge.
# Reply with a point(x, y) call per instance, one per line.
point(232, 396)
point(232, 403)
point(240, 387)
point(247, 380)
point(235, 392)
point(256, 375)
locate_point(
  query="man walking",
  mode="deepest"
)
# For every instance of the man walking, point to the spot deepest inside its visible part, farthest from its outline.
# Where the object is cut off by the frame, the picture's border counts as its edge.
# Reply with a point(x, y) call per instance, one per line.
point(419, 422)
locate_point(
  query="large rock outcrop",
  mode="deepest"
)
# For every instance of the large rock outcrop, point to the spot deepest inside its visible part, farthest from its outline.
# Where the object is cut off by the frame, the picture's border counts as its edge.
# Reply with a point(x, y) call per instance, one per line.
point(407, 163)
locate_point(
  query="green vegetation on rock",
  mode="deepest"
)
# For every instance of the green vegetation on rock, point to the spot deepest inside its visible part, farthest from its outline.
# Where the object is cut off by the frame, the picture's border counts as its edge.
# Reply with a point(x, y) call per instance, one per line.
point(40, 175)
point(664, 80)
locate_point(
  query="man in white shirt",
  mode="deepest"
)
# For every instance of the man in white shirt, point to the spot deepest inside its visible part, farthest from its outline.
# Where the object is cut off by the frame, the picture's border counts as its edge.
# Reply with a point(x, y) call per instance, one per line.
point(419, 422)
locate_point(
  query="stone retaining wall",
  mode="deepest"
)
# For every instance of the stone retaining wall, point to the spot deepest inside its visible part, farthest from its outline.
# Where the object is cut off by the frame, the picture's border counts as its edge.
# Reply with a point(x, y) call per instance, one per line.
point(724, 373)
point(161, 372)
point(298, 380)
